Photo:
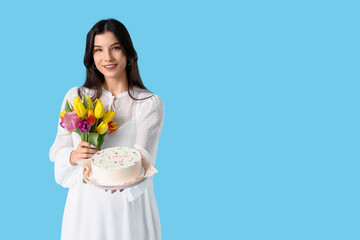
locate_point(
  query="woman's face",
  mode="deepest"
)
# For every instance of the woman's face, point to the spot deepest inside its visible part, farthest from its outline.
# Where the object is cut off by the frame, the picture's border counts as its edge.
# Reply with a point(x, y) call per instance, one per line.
point(108, 57)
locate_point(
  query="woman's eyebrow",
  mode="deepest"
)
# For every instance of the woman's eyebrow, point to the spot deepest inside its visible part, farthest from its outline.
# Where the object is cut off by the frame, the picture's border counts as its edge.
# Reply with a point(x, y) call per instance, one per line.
point(110, 45)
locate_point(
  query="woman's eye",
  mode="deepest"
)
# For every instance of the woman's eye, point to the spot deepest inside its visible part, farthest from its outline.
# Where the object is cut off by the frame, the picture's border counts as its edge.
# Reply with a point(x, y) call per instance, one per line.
point(116, 47)
point(97, 50)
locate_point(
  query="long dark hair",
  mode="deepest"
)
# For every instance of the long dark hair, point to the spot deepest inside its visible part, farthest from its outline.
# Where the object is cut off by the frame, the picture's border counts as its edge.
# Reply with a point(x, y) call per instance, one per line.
point(94, 78)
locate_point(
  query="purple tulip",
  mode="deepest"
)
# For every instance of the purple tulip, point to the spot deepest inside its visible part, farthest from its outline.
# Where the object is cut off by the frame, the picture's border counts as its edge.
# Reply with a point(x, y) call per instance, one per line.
point(62, 123)
point(84, 126)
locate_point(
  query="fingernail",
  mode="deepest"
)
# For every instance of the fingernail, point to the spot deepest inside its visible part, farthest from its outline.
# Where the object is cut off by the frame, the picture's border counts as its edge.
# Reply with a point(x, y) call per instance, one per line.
point(92, 146)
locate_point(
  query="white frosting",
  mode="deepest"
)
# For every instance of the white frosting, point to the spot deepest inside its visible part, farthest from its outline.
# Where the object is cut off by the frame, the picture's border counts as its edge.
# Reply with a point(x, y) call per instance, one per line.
point(114, 166)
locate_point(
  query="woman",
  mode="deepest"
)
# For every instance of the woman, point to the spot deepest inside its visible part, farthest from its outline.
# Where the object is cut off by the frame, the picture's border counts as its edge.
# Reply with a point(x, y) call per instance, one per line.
point(113, 77)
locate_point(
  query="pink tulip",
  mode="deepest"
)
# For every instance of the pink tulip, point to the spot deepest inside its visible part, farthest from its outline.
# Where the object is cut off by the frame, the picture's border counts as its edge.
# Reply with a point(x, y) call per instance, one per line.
point(70, 121)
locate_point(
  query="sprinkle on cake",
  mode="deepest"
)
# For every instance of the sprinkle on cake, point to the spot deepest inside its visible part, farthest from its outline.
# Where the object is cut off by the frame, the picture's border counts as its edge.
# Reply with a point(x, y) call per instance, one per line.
point(121, 157)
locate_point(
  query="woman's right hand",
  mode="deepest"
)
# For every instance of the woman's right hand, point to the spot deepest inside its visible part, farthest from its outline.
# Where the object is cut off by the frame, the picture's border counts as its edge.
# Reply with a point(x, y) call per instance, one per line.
point(83, 151)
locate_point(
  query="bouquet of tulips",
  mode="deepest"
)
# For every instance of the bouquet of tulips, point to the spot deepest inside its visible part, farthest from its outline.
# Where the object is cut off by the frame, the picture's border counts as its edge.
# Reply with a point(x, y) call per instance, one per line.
point(88, 119)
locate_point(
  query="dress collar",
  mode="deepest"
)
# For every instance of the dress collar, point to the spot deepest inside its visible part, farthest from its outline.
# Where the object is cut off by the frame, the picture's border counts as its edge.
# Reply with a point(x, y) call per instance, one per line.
point(106, 92)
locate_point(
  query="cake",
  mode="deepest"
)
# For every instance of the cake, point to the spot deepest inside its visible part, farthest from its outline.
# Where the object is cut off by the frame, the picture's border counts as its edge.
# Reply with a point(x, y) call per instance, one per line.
point(115, 166)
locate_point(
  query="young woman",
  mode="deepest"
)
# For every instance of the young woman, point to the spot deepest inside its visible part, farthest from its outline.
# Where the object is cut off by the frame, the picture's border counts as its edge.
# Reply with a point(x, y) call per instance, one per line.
point(113, 77)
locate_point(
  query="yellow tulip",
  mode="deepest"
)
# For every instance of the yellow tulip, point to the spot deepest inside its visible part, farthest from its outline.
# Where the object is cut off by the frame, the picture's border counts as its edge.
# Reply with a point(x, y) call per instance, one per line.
point(89, 103)
point(99, 109)
point(76, 99)
point(61, 115)
point(79, 109)
point(102, 128)
point(109, 116)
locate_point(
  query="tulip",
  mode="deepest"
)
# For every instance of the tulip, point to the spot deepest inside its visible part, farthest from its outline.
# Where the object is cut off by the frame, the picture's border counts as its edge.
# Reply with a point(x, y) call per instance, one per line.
point(76, 99)
point(102, 128)
point(61, 115)
point(109, 116)
point(89, 103)
point(112, 127)
point(70, 121)
point(90, 116)
point(99, 109)
point(85, 126)
point(79, 109)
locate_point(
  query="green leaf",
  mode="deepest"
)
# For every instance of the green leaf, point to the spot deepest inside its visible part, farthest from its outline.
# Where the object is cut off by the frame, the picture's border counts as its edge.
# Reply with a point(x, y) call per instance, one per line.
point(84, 181)
point(80, 134)
point(93, 129)
point(67, 107)
point(85, 101)
point(100, 141)
point(93, 137)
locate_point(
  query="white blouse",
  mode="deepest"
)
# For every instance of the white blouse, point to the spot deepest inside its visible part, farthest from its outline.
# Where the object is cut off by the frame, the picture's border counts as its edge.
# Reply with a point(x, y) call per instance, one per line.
point(90, 212)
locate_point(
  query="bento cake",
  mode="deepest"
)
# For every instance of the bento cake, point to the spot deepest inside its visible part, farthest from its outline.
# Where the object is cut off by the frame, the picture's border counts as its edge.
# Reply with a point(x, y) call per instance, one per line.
point(115, 166)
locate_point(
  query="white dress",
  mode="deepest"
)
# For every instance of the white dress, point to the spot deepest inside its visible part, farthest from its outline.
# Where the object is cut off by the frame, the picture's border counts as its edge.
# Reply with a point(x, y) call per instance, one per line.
point(93, 214)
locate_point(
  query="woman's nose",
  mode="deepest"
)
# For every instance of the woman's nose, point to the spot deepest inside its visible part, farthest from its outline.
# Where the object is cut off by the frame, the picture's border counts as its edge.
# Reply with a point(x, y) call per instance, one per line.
point(108, 56)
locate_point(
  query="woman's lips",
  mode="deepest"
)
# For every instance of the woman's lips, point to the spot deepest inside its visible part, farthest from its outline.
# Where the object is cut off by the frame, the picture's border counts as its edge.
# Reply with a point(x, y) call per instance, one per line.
point(110, 66)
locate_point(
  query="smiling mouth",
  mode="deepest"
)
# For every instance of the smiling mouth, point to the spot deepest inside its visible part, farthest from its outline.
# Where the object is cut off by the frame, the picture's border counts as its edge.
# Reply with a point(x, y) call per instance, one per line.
point(109, 67)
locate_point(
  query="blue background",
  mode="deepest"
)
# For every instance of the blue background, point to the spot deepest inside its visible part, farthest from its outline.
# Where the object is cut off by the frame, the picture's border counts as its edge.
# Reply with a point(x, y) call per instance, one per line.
point(261, 131)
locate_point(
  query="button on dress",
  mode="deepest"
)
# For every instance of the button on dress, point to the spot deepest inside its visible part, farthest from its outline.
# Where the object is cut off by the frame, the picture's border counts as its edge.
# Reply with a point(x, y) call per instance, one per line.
point(91, 213)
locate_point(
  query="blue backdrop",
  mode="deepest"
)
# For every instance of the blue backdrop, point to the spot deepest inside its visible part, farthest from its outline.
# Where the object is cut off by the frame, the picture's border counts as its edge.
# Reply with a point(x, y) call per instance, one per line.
point(261, 131)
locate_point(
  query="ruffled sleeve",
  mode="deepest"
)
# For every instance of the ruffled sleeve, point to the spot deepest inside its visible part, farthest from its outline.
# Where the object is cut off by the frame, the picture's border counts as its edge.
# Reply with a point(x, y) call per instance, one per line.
point(150, 118)
point(66, 175)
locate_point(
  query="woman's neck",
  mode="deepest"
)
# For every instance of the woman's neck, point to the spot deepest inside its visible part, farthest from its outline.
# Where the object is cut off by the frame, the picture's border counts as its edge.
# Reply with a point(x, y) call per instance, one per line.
point(116, 86)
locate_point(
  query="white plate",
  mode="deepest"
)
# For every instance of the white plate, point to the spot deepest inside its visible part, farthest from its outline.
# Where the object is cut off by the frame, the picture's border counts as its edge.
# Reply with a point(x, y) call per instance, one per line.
point(125, 185)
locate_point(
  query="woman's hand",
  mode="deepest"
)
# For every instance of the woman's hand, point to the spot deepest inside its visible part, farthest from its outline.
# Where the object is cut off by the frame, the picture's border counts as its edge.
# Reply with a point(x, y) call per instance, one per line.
point(83, 151)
